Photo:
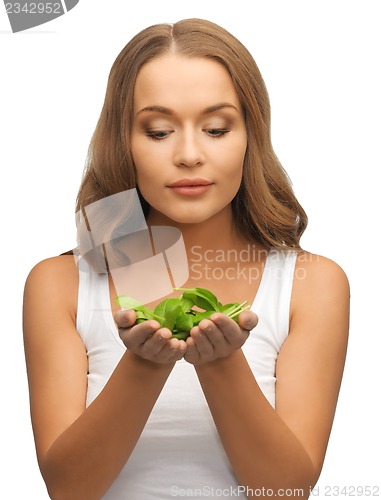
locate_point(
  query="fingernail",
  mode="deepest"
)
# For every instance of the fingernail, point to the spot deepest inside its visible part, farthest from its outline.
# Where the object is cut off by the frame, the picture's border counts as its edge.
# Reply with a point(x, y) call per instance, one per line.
point(205, 328)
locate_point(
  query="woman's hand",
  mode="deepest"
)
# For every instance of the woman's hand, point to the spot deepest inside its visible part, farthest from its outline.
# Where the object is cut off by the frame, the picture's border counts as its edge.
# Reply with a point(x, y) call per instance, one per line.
point(147, 340)
point(218, 337)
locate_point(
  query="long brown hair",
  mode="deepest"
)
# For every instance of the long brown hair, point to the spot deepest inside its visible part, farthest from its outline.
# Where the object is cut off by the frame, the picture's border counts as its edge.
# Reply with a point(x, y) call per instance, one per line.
point(265, 207)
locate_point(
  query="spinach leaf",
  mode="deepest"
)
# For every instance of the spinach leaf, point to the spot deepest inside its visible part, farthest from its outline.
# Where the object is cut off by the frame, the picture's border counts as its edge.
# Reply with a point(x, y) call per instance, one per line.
point(180, 335)
point(184, 322)
point(142, 312)
point(201, 315)
point(169, 310)
point(227, 308)
point(126, 302)
point(201, 297)
point(178, 315)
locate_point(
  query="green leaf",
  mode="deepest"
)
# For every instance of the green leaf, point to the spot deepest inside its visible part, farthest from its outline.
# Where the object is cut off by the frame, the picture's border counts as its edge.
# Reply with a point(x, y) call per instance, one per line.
point(143, 313)
point(126, 302)
point(169, 310)
point(146, 312)
point(177, 314)
point(184, 321)
point(201, 297)
point(201, 315)
point(186, 304)
point(180, 335)
point(234, 314)
point(227, 308)
point(140, 317)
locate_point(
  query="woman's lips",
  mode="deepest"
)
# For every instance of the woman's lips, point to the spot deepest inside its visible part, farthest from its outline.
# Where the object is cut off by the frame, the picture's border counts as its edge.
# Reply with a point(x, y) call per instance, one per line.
point(191, 187)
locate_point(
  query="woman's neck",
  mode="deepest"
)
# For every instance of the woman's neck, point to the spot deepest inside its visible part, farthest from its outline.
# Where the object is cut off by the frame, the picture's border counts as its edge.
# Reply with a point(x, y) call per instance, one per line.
point(219, 257)
point(218, 232)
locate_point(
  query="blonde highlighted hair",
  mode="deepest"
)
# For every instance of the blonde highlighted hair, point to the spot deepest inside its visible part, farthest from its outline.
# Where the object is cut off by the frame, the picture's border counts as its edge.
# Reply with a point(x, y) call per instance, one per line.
point(265, 208)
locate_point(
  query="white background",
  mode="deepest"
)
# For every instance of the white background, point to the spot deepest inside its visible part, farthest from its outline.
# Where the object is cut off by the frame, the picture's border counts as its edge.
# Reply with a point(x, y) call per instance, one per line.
point(320, 60)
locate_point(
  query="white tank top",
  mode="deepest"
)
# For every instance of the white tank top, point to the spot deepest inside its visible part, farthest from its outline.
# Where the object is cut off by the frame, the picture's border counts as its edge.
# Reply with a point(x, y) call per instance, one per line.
point(179, 452)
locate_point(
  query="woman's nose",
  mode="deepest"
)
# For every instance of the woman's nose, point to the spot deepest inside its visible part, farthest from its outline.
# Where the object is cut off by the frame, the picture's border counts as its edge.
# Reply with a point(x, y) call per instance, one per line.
point(188, 150)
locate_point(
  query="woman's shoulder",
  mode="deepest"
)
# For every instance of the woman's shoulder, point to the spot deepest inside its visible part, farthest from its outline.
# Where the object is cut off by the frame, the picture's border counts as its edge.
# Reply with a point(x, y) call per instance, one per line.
point(51, 268)
point(318, 281)
point(54, 281)
point(314, 268)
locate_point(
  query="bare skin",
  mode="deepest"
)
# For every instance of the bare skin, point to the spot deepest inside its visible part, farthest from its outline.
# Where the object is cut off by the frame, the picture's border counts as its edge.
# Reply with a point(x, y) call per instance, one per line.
point(81, 450)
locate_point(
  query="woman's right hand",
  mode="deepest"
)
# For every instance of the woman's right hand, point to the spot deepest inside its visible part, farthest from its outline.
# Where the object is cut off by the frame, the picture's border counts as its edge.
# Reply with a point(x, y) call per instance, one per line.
point(147, 340)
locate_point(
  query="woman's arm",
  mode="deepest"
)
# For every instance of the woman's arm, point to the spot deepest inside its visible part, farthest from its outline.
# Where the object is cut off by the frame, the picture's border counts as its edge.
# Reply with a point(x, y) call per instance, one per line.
point(285, 447)
point(80, 451)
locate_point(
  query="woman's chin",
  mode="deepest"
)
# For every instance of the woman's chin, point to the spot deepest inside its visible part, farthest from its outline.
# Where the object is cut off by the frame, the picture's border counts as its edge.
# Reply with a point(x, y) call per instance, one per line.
point(174, 218)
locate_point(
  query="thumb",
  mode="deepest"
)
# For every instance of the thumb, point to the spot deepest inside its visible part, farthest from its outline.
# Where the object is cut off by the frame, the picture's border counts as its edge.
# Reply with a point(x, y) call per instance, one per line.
point(248, 320)
point(125, 318)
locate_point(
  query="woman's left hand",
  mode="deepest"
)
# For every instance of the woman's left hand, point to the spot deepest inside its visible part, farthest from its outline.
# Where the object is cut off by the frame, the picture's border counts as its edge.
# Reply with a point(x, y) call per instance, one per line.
point(218, 337)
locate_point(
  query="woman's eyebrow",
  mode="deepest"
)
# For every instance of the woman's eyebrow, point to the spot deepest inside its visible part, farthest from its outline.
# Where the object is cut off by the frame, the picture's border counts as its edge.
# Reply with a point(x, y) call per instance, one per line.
point(157, 109)
point(217, 107)
point(168, 111)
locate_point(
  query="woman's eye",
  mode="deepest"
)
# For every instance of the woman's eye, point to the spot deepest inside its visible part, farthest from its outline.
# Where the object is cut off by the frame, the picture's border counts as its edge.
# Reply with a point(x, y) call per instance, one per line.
point(157, 135)
point(217, 132)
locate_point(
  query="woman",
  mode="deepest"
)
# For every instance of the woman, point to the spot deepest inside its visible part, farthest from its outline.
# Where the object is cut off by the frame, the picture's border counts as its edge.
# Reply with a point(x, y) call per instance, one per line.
point(235, 409)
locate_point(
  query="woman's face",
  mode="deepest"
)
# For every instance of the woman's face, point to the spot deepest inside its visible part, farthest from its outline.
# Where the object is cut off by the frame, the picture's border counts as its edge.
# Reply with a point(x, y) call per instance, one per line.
point(188, 138)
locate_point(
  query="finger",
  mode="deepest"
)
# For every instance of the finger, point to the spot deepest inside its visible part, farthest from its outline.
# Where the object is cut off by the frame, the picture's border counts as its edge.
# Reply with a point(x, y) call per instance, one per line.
point(155, 343)
point(191, 355)
point(232, 332)
point(202, 343)
point(171, 352)
point(213, 334)
point(179, 350)
point(247, 320)
point(174, 343)
point(134, 337)
point(125, 318)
